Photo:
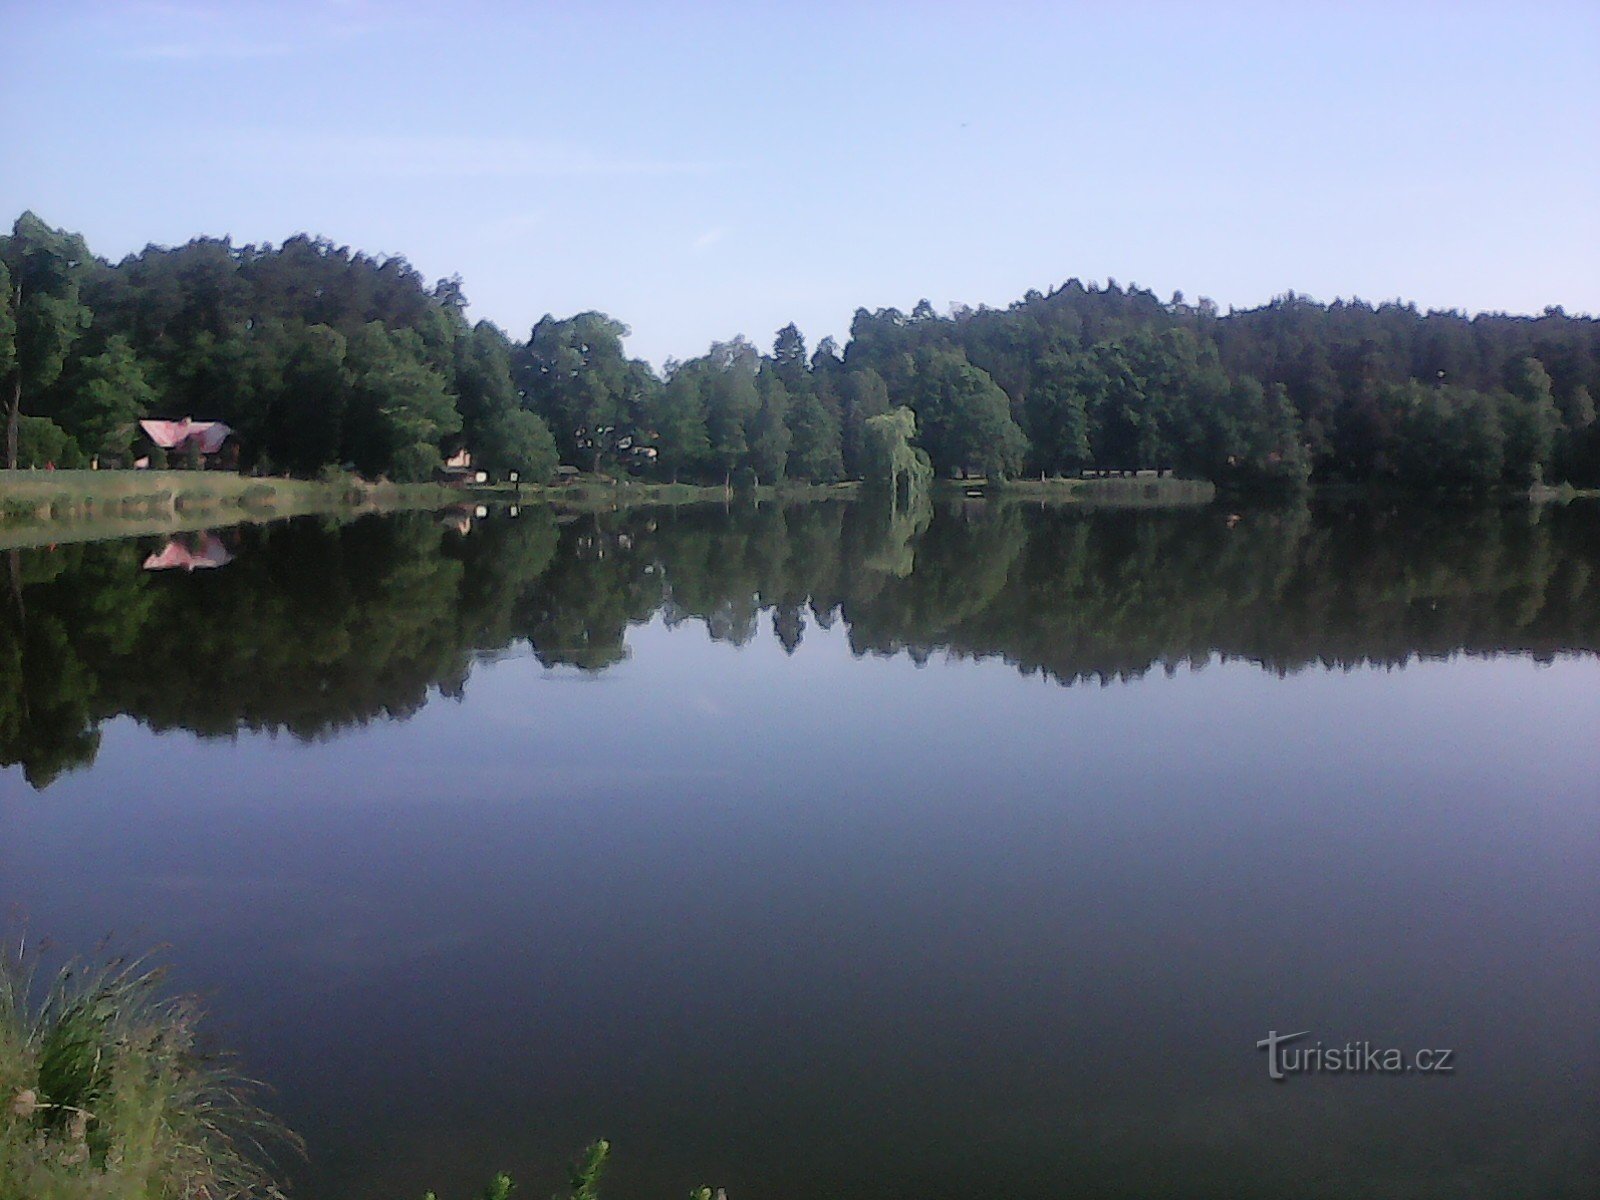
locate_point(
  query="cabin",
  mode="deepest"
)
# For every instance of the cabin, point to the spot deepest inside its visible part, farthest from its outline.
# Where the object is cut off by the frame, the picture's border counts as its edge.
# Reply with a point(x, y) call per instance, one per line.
point(181, 439)
point(459, 471)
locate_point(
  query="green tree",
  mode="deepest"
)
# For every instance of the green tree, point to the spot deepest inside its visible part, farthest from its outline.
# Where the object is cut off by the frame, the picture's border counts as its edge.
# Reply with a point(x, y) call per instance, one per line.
point(43, 314)
point(814, 439)
point(483, 384)
point(731, 403)
point(43, 443)
point(108, 394)
point(1531, 420)
point(574, 373)
point(401, 407)
point(518, 440)
point(679, 421)
point(965, 418)
point(893, 464)
point(789, 358)
point(863, 395)
point(310, 386)
point(1058, 413)
point(768, 432)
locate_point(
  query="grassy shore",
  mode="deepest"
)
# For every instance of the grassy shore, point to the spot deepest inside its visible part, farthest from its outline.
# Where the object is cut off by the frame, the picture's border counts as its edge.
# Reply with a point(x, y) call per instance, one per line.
point(39, 507)
point(601, 493)
point(589, 492)
point(1560, 493)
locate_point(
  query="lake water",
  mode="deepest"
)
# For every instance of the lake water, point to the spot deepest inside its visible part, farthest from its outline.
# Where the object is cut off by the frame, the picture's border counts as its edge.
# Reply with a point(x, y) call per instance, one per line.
point(823, 852)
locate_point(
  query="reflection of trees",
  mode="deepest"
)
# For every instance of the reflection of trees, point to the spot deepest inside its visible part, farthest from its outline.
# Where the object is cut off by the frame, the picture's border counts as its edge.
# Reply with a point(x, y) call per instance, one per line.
point(315, 628)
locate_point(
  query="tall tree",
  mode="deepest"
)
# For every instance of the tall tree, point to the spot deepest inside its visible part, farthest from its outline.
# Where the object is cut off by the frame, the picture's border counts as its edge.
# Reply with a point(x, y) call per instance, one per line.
point(400, 408)
point(731, 402)
point(574, 373)
point(768, 432)
point(679, 422)
point(44, 274)
point(965, 418)
point(789, 358)
point(1058, 412)
point(814, 449)
point(1530, 419)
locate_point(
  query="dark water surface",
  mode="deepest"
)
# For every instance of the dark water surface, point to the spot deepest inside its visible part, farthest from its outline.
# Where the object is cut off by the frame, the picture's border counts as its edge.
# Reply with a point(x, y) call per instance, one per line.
point(810, 852)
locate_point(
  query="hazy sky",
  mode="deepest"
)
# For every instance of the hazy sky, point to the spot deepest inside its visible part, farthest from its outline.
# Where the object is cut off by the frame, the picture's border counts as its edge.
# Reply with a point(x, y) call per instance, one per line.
point(699, 170)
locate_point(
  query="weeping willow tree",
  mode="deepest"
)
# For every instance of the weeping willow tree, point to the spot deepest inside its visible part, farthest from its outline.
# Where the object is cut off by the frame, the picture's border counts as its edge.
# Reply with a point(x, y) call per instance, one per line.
point(893, 464)
point(900, 473)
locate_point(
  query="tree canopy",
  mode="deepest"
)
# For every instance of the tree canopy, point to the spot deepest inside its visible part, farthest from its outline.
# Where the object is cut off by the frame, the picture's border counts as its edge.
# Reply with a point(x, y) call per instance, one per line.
point(316, 354)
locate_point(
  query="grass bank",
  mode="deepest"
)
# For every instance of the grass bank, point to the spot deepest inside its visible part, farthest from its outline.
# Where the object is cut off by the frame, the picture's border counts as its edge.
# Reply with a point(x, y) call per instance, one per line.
point(591, 493)
point(1561, 493)
point(38, 507)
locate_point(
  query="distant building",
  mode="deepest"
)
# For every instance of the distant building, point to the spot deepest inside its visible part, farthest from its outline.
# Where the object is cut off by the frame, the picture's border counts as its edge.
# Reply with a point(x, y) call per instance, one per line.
point(184, 437)
point(458, 470)
point(205, 436)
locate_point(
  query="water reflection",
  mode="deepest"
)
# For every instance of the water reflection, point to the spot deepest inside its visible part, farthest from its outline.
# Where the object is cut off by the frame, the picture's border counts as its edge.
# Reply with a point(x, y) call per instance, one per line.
point(190, 552)
point(807, 918)
point(315, 628)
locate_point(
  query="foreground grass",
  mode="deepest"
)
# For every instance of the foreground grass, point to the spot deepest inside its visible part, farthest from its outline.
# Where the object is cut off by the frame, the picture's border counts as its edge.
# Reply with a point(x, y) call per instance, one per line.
point(57, 506)
point(105, 1096)
point(584, 1180)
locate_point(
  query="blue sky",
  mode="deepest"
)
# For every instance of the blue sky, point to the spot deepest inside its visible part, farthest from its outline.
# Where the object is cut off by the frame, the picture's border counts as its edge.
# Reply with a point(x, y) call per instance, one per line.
point(703, 170)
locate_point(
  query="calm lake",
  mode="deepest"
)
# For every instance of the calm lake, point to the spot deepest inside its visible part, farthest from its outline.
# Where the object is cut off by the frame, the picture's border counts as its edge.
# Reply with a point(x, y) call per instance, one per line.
point(825, 852)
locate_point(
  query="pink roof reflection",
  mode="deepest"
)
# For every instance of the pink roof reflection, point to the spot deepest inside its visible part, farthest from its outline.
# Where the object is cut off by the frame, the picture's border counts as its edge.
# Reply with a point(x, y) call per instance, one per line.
point(208, 436)
point(210, 552)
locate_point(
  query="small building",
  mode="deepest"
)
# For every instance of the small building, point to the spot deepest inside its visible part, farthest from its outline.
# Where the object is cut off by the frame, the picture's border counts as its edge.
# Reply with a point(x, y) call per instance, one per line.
point(181, 438)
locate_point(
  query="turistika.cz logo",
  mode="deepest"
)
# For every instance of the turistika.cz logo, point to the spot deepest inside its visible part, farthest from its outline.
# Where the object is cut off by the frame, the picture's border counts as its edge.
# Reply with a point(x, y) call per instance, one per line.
point(1351, 1058)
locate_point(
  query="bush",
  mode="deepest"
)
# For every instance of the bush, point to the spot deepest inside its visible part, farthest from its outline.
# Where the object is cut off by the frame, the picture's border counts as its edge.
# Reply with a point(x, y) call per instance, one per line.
point(41, 443)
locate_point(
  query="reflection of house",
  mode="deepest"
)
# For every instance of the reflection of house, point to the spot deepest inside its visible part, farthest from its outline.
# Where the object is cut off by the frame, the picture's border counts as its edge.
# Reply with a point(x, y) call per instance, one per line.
point(201, 551)
point(185, 437)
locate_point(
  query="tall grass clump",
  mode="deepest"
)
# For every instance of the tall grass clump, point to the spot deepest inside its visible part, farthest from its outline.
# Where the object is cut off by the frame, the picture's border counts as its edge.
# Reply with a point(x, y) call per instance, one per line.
point(105, 1095)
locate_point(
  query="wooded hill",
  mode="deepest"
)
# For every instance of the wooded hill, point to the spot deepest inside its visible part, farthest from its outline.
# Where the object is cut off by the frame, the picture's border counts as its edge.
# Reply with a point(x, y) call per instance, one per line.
point(318, 355)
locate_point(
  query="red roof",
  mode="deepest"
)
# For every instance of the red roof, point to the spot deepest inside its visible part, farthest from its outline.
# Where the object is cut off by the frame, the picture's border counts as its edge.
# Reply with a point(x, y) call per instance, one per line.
point(208, 436)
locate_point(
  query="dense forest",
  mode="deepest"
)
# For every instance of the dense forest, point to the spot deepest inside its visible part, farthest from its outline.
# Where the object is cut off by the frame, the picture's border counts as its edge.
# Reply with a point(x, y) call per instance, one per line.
point(1074, 593)
point(319, 356)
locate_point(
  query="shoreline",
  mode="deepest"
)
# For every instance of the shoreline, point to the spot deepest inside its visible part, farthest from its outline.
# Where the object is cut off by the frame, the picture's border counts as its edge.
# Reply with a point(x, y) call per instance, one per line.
point(41, 508)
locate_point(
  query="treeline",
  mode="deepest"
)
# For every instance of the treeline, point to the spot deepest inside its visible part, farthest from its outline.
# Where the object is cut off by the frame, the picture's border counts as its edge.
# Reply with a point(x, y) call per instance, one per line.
point(318, 356)
point(314, 629)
